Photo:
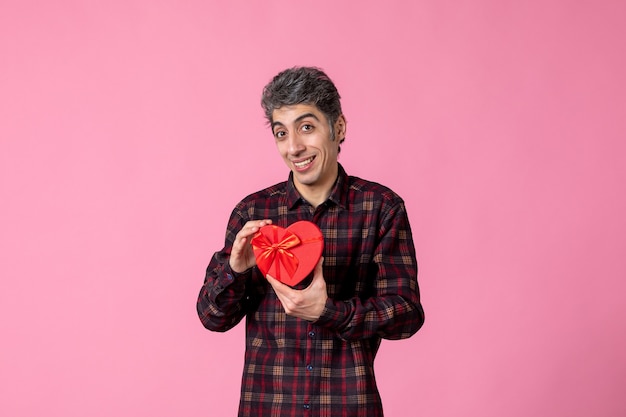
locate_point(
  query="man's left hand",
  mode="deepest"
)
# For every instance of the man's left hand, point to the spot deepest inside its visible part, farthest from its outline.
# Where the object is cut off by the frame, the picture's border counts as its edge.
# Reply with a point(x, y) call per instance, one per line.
point(307, 304)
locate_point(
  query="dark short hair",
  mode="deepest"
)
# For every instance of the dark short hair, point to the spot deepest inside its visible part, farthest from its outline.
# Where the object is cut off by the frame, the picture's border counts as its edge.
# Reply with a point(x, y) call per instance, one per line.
point(303, 85)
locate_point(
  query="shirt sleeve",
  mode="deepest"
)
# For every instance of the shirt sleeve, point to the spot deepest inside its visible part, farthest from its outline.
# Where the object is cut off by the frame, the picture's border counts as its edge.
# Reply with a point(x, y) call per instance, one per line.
point(222, 300)
point(394, 311)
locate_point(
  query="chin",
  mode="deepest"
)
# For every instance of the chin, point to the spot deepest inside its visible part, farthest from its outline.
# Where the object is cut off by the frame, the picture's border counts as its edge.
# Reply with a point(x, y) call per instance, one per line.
point(305, 179)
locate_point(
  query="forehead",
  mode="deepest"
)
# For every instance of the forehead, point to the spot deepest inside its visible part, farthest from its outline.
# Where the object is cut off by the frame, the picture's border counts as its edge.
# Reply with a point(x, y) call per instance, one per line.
point(286, 115)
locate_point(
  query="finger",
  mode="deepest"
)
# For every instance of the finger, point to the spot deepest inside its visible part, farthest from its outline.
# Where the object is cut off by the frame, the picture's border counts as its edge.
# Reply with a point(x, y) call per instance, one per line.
point(274, 282)
point(252, 227)
point(248, 230)
point(259, 223)
point(279, 288)
point(319, 271)
point(239, 241)
point(318, 274)
point(320, 263)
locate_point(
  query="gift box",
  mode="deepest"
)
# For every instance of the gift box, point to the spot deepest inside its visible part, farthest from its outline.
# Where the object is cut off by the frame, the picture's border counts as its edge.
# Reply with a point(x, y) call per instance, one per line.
point(288, 255)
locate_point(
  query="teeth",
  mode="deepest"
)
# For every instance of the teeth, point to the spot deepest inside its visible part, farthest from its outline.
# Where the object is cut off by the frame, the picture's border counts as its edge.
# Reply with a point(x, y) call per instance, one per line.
point(303, 163)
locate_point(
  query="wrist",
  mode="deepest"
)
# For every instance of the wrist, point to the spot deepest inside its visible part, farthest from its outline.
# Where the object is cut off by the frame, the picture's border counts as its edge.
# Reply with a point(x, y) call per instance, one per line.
point(237, 270)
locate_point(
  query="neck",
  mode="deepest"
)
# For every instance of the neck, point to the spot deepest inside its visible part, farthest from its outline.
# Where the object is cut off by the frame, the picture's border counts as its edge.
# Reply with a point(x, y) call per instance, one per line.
point(315, 196)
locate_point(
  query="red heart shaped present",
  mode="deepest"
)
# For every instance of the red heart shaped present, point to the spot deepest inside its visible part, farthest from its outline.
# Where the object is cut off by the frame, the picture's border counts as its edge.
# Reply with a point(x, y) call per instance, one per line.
point(290, 254)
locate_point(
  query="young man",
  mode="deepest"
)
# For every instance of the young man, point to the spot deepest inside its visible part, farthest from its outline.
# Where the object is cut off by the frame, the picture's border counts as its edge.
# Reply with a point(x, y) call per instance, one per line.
point(310, 350)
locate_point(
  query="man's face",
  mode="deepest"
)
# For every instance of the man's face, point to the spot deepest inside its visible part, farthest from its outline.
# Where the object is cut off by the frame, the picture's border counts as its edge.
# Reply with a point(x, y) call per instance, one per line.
point(303, 139)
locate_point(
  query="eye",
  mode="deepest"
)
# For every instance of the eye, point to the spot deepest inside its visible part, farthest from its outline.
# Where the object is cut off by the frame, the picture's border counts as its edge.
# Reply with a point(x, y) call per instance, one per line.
point(280, 134)
point(307, 127)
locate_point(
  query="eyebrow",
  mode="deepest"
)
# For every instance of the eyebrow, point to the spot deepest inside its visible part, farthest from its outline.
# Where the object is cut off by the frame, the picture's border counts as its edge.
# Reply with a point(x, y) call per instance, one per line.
point(299, 118)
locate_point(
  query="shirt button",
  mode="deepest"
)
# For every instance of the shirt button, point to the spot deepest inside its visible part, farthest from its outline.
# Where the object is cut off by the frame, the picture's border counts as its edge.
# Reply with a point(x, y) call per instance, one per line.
point(229, 276)
point(309, 367)
point(306, 406)
point(311, 334)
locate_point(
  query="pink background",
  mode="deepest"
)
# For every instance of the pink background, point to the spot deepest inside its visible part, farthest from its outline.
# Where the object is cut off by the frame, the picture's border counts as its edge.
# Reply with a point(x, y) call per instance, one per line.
point(129, 130)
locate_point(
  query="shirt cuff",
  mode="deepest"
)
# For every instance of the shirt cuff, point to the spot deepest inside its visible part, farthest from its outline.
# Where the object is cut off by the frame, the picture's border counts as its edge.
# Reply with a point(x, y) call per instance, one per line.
point(229, 276)
point(229, 285)
point(334, 314)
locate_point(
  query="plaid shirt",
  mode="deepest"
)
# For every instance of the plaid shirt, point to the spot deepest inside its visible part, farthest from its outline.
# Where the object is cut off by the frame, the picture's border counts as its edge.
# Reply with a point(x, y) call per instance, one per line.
point(324, 368)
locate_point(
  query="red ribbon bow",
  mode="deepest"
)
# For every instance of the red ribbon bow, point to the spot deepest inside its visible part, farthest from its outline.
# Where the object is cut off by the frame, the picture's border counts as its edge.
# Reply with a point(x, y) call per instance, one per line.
point(279, 252)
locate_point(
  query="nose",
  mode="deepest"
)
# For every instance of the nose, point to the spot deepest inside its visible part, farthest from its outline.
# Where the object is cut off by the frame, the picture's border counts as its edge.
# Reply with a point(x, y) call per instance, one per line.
point(295, 145)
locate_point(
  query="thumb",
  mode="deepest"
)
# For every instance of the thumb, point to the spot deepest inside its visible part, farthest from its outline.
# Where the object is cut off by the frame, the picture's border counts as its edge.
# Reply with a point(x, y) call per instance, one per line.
point(320, 263)
point(319, 273)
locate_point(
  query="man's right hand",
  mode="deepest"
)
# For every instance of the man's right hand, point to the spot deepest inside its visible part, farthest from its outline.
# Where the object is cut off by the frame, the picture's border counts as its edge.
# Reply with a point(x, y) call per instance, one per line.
point(242, 257)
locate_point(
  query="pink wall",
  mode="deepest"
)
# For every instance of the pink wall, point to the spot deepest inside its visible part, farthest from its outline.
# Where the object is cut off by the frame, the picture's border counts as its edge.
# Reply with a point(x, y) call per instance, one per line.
point(128, 131)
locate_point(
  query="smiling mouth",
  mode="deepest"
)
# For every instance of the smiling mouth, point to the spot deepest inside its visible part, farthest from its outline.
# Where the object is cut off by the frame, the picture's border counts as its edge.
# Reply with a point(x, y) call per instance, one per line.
point(304, 163)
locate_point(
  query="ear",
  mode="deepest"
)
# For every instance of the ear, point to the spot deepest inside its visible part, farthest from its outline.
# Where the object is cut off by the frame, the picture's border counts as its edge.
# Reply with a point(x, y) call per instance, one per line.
point(340, 128)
